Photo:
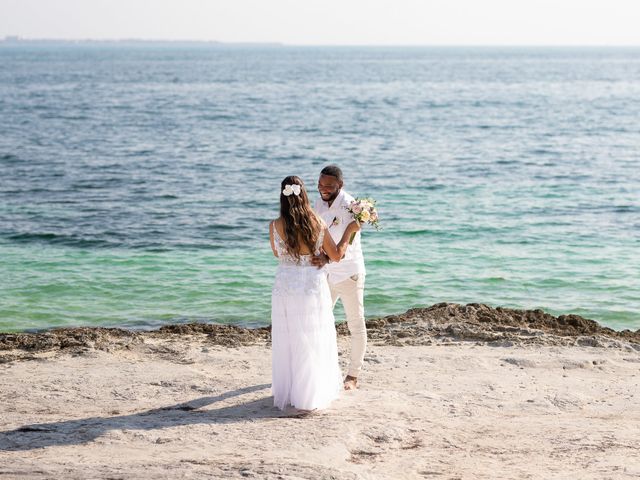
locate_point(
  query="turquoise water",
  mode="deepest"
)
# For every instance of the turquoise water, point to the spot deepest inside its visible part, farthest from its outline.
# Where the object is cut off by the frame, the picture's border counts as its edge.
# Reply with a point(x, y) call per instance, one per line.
point(136, 184)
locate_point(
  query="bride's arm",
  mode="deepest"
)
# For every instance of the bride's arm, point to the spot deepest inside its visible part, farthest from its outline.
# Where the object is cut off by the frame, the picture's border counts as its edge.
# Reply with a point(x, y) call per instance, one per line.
point(336, 252)
point(271, 240)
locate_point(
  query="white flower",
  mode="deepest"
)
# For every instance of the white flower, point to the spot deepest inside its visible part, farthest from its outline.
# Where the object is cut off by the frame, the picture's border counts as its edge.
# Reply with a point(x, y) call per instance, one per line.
point(289, 189)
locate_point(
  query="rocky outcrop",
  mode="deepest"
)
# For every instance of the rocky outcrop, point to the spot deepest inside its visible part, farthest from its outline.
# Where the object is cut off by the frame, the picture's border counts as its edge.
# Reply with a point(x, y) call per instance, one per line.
point(500, 326)
point(440, 324)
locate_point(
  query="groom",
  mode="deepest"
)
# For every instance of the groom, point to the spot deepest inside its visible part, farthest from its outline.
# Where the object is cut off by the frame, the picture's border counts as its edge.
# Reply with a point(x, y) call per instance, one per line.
point(346, 278)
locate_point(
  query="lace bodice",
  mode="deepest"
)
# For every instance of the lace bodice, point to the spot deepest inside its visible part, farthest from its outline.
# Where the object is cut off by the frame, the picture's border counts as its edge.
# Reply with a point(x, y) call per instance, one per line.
point(285, 258)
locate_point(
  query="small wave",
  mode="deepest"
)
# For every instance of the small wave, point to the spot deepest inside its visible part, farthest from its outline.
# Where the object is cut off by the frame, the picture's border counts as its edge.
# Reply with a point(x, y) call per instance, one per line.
point(196, 246)
point(292, 157)
point(220, 226)
point(435, 105)
point(256, 100)
point(494, 280)
point(625, 209)
point(51, 116)
point(425, 231)
point(542, 151)
point(385, 263)
point(87, 186)
point(218, 117)
point(9, 158)
point(412, 233)
point(117, 241)
point(380, 298)
point(53, 238)
point(360, 103)
point(140, 153)
point(304, 129)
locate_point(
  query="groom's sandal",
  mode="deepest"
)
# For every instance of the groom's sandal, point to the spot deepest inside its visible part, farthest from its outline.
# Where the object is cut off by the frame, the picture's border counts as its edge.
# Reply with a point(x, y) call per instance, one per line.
point(350, 383)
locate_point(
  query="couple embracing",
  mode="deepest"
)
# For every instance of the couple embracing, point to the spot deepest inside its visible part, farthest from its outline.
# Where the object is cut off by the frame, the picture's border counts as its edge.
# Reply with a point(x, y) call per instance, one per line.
point(317, 265)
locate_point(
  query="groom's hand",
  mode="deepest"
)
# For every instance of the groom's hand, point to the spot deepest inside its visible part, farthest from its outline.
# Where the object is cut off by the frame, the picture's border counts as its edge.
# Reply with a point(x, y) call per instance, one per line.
point(319, 260)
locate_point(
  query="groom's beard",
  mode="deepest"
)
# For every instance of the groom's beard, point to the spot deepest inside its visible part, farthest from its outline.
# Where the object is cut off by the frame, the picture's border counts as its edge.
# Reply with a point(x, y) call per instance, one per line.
point(331, 197)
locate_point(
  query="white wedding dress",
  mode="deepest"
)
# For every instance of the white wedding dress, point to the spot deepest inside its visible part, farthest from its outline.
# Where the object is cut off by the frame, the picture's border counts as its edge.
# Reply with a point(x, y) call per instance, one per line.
point(305, 369)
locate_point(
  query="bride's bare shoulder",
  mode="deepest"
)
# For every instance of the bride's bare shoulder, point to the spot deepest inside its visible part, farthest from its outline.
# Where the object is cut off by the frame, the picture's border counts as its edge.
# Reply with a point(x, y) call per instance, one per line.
point(278, 224)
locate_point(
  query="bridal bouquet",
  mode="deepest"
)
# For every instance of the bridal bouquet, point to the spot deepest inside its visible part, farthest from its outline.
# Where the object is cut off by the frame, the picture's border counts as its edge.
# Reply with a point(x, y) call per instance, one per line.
point(364, 210)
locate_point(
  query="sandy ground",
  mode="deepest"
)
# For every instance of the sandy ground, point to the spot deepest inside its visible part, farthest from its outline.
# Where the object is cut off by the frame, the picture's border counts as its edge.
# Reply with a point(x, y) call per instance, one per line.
point(181, 406)
point(185, 409)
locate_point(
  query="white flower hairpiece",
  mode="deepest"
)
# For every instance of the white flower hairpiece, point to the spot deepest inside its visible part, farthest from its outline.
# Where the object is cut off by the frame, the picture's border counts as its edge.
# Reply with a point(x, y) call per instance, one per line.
point(289, 189)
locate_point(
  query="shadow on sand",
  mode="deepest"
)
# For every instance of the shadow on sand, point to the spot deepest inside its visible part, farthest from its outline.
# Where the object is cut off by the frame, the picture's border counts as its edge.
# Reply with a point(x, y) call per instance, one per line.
point(71, 432)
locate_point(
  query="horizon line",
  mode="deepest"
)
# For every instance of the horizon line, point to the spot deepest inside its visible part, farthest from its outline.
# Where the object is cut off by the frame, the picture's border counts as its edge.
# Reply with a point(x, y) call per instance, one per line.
point(16, 39)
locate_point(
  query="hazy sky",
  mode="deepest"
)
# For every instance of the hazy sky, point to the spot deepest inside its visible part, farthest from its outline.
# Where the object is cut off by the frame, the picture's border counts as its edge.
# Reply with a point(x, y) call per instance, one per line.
point(332, 22)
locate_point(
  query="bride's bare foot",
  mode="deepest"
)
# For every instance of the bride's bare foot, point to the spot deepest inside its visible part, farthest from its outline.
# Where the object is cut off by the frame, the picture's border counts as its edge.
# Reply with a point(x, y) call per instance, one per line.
point(299, 413)
point(305, 413)
point(350, 383)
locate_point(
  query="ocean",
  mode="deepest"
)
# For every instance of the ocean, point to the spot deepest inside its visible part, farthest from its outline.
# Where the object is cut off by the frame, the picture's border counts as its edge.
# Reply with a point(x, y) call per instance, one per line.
point(137, 182)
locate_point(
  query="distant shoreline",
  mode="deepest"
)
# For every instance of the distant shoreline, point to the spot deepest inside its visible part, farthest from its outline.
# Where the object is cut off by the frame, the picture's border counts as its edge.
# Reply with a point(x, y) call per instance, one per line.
point(18, 41)
point(14, 40)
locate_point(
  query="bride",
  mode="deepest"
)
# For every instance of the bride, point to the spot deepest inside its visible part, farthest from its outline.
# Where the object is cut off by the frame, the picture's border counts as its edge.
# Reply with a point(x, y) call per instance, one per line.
point(305, 370)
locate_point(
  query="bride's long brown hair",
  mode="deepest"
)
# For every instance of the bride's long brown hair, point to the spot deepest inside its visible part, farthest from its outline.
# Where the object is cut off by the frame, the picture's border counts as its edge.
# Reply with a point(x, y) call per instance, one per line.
point(301, 225)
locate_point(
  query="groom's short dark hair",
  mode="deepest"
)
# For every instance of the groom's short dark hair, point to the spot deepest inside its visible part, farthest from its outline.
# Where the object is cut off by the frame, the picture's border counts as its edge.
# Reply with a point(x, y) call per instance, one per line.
point(333, 171)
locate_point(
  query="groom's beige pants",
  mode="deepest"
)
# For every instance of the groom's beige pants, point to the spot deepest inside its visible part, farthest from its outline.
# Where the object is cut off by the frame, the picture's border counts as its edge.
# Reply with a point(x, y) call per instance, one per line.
point(351, 293)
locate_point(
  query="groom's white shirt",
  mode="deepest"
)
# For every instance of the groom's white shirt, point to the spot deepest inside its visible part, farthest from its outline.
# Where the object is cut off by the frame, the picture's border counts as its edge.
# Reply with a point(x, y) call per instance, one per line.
point(337, 218)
